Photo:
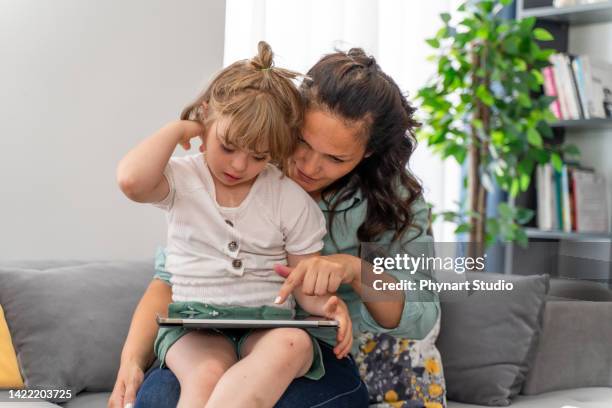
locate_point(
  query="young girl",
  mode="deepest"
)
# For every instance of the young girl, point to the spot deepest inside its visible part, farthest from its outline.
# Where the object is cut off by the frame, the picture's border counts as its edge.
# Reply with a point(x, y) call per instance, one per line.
point(232, 216)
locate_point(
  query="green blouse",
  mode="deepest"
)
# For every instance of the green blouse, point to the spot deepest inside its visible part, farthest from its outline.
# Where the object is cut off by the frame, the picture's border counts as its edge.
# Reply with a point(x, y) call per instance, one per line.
point(421, 309)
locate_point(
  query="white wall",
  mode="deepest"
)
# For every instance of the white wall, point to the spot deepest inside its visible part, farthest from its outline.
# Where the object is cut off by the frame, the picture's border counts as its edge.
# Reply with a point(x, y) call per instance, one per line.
point(595, 145)
point(82, 81)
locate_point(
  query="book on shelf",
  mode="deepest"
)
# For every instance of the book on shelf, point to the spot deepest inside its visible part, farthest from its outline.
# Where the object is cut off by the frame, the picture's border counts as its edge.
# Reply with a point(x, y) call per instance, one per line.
point(591, 198)
point(550, 89)
point(573, 199)
point(601, 82)
point(581, 85)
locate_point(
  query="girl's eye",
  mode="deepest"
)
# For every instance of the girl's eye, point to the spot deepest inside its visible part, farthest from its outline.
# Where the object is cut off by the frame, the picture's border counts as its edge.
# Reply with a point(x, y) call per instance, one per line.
point(259, 158)
point(226, 149)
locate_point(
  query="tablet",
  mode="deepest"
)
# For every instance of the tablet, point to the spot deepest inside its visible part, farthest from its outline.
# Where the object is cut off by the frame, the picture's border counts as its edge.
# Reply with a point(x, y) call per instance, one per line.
point(309, 322)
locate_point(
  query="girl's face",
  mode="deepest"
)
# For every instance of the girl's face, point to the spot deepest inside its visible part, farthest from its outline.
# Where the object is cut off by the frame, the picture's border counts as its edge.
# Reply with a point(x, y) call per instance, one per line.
point(329, 149)
point(230, 165)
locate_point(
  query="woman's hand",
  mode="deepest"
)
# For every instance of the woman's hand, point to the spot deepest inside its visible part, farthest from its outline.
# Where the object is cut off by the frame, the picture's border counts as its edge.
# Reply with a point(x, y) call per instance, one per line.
point(320, 275)
point(336, 309)
point(129, 379)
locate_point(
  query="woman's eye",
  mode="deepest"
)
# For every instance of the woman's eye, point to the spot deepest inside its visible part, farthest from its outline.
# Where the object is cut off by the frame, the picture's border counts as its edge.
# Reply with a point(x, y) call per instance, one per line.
point(336, 160)
point(259, 158)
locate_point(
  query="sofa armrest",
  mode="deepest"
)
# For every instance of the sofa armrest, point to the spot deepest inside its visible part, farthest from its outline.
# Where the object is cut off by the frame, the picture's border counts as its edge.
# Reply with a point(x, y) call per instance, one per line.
point(574, 347)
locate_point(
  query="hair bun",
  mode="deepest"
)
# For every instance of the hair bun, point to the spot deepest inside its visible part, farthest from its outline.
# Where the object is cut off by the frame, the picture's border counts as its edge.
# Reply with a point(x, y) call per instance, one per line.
point(264, 58)
point(357, 53)
point(359, 56)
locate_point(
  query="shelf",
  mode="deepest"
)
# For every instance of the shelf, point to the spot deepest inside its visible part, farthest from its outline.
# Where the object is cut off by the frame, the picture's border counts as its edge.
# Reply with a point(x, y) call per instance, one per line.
point(572, 236)
point(579, 14)
point(583, 124)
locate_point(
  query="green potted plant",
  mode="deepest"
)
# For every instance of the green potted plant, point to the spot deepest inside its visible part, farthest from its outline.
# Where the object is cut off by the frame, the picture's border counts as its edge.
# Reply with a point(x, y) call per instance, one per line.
point(484, 105)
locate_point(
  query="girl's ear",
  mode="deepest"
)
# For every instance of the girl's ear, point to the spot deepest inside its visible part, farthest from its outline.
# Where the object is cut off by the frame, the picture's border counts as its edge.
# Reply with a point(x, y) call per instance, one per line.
point(205, 109)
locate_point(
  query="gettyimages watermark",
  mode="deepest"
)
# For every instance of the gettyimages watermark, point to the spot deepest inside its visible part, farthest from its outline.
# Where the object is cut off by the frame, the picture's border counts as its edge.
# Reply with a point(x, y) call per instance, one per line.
point(443, 271)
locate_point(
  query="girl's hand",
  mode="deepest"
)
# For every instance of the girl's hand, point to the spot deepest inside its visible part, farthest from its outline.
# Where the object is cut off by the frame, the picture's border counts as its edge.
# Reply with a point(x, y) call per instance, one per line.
point(320, 275)
point(336, 309)
point(129, 379)
point(191, 129)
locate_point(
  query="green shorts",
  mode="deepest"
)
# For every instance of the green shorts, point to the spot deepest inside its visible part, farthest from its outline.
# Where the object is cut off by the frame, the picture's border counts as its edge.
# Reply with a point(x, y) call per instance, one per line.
point(167, 336)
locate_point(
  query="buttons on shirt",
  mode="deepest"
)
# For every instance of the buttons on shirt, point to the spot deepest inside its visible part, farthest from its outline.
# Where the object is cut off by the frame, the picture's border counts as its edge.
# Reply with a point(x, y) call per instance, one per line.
point(237, 263)
point(232, 246)
point(228, 222)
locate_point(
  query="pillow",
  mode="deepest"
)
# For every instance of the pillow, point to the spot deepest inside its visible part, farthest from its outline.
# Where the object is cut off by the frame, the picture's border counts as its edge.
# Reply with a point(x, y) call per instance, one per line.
point(402, 372)
point(573, 355)
point(68, 324)
point(487, 339)
point(9, 371)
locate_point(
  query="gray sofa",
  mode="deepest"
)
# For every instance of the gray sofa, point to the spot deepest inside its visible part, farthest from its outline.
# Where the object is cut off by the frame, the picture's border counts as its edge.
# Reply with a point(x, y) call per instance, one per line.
point(68, 321)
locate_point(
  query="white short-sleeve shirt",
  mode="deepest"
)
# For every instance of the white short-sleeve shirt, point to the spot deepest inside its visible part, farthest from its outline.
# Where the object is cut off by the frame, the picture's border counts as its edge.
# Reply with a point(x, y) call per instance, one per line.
point(225, 255)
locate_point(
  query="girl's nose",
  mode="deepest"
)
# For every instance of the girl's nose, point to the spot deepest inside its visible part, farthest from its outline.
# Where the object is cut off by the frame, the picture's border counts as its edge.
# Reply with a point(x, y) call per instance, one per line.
point(239, 162)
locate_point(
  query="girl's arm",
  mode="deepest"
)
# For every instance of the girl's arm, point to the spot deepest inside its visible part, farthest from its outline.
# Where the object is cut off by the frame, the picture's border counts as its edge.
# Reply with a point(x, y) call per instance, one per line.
point(140, 174)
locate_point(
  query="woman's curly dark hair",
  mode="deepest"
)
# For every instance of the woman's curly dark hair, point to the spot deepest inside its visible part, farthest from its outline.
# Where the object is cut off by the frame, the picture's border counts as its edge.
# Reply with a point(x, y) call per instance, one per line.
point(352, 87)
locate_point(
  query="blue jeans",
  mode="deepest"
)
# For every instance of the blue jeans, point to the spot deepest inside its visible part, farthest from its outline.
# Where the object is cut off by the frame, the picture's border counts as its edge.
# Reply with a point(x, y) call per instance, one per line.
point(340, 387)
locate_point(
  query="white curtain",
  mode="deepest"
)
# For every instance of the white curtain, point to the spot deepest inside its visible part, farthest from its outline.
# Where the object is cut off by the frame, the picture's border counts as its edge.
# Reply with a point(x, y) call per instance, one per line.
point(393, 31)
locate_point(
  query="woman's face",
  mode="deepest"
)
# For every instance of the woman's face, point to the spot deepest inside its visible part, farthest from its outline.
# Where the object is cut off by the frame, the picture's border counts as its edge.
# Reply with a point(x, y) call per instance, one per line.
point(329, 149)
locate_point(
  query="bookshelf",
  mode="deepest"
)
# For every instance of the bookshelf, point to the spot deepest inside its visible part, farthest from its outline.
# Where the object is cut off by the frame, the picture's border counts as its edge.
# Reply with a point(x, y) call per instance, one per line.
point(570, 236)
point(583, 124)
point(579, 14)
point(547, 251)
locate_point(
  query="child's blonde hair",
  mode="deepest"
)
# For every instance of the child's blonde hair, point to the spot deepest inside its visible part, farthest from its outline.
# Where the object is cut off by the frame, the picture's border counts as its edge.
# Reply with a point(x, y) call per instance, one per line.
point(262, 104)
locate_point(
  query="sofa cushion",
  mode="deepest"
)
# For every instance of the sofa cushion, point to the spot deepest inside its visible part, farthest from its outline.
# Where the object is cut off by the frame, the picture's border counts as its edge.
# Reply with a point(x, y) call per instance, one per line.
point(572, 398)
point(68, 324)
point(488, 338)
point(580, 290)
point(9, 370)
point(574, 348)
point(89, 400)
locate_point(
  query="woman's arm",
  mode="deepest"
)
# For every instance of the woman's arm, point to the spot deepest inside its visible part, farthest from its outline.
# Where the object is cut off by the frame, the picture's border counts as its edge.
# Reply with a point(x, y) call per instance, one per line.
point(137, 354)
point(411, 313)
point(386, 306)
point(138, 346)
point(323, 274)
point(140, 174)
point(421, 308)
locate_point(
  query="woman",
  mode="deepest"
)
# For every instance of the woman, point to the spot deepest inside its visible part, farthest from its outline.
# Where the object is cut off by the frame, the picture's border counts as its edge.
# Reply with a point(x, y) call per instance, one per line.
point(356, 141)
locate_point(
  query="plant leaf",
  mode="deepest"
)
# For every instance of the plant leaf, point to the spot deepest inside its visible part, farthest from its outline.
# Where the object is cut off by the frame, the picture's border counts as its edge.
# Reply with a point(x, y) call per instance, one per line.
point(534, 138)
point(433, 42)
point(542, 34)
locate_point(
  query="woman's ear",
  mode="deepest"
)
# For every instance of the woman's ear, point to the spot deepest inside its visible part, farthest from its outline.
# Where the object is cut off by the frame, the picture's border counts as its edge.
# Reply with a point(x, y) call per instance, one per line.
point(367, 154)
point(205, 110)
